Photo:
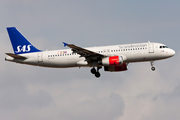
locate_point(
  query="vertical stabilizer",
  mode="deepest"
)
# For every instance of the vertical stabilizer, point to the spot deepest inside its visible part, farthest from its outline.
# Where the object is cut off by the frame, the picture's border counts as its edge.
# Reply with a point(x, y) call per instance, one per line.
point(19, 43)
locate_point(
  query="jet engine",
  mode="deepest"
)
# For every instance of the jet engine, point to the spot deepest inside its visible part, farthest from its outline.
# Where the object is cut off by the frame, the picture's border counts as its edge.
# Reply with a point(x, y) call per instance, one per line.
point(117, 68)
point(112, 61)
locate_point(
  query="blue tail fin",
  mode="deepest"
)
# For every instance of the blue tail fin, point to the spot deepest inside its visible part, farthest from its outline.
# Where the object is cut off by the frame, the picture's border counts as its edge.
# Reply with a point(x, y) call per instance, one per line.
point(19, 42)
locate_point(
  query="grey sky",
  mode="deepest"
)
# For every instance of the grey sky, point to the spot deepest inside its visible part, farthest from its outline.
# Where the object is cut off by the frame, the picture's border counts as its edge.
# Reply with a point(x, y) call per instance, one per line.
point(28, 92)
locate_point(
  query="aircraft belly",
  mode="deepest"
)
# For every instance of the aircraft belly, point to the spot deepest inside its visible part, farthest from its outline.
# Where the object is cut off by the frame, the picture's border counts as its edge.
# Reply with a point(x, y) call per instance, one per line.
point(140, 57)
point(62, 62)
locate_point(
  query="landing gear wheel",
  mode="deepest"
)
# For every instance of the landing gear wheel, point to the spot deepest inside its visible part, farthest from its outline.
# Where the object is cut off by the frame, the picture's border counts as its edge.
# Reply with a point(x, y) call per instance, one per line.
point(97, 74)
point(153, 68)
point(93, 70)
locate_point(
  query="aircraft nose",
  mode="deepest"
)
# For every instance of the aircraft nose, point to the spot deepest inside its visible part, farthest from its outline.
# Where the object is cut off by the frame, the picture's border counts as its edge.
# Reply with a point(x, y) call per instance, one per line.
point(172, 52)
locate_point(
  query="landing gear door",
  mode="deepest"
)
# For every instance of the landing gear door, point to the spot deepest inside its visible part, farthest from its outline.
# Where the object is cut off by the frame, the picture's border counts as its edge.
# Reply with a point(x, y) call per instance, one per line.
point(151, 47)
point(40, 57)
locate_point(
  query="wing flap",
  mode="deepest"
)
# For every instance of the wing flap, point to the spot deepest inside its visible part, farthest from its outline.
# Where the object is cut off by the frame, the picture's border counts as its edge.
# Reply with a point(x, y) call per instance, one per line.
point(16, 56)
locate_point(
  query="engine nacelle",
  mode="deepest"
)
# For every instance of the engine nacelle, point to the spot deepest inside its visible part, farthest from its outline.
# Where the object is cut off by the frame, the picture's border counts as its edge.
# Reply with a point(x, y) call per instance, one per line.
point(122, 67)
point(113, 61)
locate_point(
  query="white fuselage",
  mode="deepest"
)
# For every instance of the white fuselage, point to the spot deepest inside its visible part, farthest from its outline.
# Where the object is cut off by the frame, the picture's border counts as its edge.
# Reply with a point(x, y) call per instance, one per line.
point(66, 58)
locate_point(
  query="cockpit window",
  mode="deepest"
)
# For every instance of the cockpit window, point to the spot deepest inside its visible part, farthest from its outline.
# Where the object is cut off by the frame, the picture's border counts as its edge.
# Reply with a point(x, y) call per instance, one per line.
point(163, 47)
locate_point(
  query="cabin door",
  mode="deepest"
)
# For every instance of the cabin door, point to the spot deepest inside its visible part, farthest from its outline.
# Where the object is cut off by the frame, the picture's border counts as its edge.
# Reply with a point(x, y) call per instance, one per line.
point(151, 47)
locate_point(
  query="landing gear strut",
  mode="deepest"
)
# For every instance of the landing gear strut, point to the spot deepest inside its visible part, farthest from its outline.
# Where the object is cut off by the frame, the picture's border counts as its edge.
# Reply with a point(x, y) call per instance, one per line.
point(152, 64)
point(96, 73)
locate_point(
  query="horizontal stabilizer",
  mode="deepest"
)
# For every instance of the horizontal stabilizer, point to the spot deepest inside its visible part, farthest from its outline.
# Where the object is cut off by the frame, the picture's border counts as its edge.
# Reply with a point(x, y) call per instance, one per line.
point(16, 56)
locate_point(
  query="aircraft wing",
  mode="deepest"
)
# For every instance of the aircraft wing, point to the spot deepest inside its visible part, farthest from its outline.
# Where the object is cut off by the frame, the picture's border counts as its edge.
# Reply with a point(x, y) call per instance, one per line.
point(89, 55)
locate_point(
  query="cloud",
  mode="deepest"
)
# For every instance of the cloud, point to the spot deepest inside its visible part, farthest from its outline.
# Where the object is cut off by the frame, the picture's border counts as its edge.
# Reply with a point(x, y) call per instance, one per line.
point(21, 98)
point(29, 92)
point(104, 108)
point(165, 106)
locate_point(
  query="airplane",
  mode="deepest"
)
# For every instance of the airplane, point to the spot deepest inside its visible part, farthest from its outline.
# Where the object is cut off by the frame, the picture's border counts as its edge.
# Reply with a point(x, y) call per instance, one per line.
point(114, 58)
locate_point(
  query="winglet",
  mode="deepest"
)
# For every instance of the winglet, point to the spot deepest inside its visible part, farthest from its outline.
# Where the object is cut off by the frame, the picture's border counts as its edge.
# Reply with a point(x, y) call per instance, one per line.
point(65, 44)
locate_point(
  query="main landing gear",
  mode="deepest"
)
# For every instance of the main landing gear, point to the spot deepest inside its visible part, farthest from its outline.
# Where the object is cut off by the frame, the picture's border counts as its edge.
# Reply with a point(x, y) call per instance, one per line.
point(96, 73)
point(152, 64)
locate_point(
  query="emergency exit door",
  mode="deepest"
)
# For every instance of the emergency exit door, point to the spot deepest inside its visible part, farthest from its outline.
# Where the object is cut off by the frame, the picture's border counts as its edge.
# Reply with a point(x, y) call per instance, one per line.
point(40, 57)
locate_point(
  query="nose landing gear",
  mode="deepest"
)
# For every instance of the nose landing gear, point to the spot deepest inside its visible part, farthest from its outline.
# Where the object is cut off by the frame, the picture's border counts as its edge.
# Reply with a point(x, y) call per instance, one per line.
point(152, 64)
point(153, 68)
point(96, 73)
